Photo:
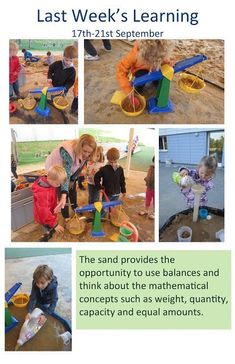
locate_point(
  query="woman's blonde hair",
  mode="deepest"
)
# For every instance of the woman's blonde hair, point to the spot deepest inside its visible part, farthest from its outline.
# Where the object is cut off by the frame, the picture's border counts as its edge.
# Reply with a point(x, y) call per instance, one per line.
point(210, 163)
point(153, 52)
point(43, 271)
point(100, 151)
point(85, 139)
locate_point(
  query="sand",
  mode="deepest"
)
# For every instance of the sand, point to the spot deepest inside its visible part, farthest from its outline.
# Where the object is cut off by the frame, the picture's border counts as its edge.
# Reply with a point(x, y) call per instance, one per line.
point(36, 77)
point(203, 230)
point(46, 339)
point(207, 107)
point(132, 205)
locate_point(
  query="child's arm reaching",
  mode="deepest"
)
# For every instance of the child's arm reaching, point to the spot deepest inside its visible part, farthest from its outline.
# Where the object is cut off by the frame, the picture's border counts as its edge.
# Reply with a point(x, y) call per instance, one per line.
point(123, 70)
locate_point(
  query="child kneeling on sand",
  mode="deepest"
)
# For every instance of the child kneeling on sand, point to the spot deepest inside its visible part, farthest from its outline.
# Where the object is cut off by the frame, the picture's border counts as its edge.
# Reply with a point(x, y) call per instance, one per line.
point(45, 196)
point(44, 291)
point(145, 57)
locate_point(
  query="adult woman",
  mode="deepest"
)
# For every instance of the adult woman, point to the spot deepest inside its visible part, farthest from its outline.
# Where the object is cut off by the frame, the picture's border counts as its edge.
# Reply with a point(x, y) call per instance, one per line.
point(72, 155)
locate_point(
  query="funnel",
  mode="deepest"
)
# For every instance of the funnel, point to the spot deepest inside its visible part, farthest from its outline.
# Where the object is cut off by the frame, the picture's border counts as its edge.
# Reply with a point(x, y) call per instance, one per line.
point(197, 190)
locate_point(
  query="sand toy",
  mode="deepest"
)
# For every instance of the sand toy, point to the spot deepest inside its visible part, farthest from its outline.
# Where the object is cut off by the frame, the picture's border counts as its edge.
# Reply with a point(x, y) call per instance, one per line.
point(30, 327)
point(76, 225)
point(118, 216)
point(161, 102)
point(197, 190)
point(190, 83)
point(184, 234)
point(185, 181)
point(127, 107)
point(12, 107)
point(60, 102)
point(10, 321)
point(42, 108)
point(28, 103)
point(20, 300)
point(97, 207)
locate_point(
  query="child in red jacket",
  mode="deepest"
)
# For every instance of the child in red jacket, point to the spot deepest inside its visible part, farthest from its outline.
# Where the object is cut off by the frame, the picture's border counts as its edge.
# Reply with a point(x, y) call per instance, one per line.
point(14, 69)
point(45, 200)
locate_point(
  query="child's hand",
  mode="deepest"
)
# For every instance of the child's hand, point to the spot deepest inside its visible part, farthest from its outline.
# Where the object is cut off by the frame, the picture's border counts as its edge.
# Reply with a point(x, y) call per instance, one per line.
point(134, 100)
point(28, 316)
point(59, 229)
point(49, 81)
point(42, 320)
point(183, 173)
point(122, 197)
point(61, 204)
point(171, 62)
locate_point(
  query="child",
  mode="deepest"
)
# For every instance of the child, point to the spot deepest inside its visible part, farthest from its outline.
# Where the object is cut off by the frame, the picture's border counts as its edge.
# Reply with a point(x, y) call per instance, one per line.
point(44, 291)
point(92, 168)
point(62, 73)
point(14, 68)
point(112, 175)
point(203, 175)
point(145, 56)
point(45, 200)
point(49, 59)
point(149, 179)
point(29, 57)
point(74, 106)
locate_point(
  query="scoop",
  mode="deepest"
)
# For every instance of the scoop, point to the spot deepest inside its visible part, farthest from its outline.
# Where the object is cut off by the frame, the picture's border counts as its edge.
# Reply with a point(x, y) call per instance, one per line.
point(197, 190)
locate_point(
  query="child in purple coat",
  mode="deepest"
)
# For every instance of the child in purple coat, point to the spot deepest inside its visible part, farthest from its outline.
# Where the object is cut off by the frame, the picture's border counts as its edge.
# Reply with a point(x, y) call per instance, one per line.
point(203, 175)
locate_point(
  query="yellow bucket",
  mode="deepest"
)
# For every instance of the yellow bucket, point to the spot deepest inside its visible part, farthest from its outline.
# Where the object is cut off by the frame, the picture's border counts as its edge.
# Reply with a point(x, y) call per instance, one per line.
point(190, 83)
point(20, 300)
point(125, 104)
point(60, 102)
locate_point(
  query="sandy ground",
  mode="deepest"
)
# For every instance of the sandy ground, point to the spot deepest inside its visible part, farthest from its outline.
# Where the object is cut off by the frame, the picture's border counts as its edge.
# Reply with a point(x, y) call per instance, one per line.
point(207, 107)
point(202, 230)
point(132, 205)
point(35, 76)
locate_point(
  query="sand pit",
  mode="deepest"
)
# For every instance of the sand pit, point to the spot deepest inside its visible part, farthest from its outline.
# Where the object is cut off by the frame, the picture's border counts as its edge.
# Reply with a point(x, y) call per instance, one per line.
point(35, 76)
point(206, 107)
point(202, 230)
point(47, 339)
point(145, 226)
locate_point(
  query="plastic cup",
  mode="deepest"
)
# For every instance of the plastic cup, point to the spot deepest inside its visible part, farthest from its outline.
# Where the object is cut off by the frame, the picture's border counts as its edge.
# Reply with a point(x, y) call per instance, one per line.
point(184, 234)
point(203, 213)
point(66, 337)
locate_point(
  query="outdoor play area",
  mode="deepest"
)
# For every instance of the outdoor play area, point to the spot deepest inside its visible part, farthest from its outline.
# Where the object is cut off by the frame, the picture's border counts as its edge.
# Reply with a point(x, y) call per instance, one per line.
point(30, 334)
point(191, 185)
point(43, 89)
point(122, 222)
point(191, 91)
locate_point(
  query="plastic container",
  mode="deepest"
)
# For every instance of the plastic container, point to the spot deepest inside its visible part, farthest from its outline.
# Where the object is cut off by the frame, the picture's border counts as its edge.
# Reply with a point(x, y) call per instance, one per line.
point(30, 328)
point(220, 235)
point(60, 102)
point(203, 213)
point(184, 234)
point(133, 113)
point(20, 300)
point(126, 232)
point(66, 337)
point(190, 83)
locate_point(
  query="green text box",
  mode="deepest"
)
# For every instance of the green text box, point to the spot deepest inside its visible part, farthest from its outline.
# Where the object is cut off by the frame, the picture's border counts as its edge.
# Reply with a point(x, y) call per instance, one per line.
point(153, 289)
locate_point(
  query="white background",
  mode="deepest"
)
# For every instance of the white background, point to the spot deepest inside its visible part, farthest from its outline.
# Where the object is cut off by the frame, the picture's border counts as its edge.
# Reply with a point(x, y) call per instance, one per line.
point(216, 20)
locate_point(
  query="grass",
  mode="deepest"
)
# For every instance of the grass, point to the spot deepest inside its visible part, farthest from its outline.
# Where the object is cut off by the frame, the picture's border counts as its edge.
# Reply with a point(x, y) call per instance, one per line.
point(35, 152)
point(140, 161)
point(43, 44)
